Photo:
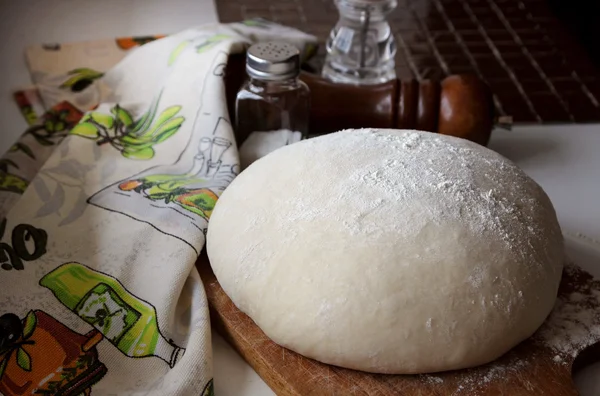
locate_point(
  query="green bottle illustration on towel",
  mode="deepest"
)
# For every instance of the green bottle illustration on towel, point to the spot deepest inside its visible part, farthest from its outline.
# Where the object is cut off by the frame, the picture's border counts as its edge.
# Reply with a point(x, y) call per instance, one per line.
point(127, 321)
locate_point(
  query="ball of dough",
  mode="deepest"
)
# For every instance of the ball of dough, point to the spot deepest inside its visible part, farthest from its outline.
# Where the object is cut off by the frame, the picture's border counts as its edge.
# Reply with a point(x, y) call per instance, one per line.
point(389, 251)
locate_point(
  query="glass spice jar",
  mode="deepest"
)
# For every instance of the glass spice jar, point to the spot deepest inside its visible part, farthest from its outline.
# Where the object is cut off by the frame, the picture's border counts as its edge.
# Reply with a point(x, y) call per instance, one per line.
point(272, 107)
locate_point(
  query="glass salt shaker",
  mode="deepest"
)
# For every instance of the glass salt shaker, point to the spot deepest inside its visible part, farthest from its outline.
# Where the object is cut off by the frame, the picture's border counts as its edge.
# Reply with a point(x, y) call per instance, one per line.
point(272, 107)
point(361, 47)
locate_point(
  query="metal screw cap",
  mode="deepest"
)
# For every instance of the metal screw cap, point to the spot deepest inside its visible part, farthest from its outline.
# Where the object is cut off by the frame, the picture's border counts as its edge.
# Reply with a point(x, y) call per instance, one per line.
point(273, 61)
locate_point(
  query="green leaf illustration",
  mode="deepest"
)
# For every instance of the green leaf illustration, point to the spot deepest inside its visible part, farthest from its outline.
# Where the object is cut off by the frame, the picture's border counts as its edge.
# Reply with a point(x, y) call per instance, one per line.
point(251, 22)
point(168, 129)
point(134, 142)
point(122, 115)
point(143, 154)
point(165, 116)
point(23, 359)
point(105, 120)
point(49, 126)
point(86, 130)
point(12, 183)
point(177, 51)
point(219, 37)
point(139, 124)
point(3, 365)
point(133, 138)
point(161, 195)
point(80, 79)
point(144, 123)
point(29, 326)
point(68, 374)
point(69, 82)
point(210, 42)
point(86, 71)
point(257, 22)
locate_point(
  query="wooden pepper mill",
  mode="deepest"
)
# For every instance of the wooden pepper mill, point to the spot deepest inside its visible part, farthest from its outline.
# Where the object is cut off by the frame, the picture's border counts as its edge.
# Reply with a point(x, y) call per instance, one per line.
point(459, 105)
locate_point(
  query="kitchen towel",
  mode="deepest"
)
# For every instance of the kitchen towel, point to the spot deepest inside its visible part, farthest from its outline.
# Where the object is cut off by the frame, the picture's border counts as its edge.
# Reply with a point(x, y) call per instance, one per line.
point(99, 293)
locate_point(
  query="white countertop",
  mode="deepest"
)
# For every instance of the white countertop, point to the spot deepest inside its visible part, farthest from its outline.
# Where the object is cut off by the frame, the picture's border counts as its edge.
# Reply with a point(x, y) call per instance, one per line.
point(564, 160)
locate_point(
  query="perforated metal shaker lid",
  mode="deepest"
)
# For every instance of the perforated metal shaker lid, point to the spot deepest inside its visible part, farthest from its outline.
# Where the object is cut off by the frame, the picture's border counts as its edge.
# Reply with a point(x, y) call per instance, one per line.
point(273, 61)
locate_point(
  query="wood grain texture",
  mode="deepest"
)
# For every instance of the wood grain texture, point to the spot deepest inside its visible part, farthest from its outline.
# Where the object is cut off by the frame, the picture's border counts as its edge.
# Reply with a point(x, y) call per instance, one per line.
point(460, 105)
point(340, 106)
point(466, 109)
point(429, 106)
point(408, 103)
point(531, 368)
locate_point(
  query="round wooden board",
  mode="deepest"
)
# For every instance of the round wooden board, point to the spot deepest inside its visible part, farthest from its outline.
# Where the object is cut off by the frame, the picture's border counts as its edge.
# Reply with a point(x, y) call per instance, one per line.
point(541, 365)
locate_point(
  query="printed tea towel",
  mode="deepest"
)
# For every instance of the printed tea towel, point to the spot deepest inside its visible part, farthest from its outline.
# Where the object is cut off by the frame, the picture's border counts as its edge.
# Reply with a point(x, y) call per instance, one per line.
point(98, 289)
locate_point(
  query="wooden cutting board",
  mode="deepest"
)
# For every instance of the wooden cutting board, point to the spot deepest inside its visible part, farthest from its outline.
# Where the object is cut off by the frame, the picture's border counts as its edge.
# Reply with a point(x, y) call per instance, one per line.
point(541, 365)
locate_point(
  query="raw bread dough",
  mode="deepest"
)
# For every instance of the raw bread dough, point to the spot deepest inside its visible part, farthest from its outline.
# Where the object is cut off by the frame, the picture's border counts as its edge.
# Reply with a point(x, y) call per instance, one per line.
point(389, 251)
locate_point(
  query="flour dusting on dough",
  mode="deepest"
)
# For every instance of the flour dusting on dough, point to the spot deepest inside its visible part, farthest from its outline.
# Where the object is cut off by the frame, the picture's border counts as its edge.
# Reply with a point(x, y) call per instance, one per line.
point(445, 254)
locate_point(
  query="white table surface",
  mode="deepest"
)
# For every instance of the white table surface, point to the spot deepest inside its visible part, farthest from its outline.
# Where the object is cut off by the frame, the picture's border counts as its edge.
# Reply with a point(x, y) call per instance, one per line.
point(564, 160)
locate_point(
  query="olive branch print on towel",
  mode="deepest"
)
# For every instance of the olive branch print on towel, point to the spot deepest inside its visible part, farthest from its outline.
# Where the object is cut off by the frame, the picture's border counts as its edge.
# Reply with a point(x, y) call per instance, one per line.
point(135, 139)
point(50, 130)
point(178, 198)
point(80, 79)
point(10, 181)
point(201, 44)
point(19, 164)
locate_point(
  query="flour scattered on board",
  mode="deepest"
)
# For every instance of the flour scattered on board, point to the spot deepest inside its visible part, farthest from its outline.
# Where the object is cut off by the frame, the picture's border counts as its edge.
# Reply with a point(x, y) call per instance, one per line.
point(557, 359)
point(574, 324)
point(432, 379)
point(476, 381)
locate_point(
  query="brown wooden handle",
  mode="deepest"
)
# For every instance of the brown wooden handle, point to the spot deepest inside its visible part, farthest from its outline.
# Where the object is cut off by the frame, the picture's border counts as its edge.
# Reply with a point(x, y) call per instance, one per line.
point(408, 100)
point(466, 108)
point(428, 106)
point(341, 106)
point(460, 105)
